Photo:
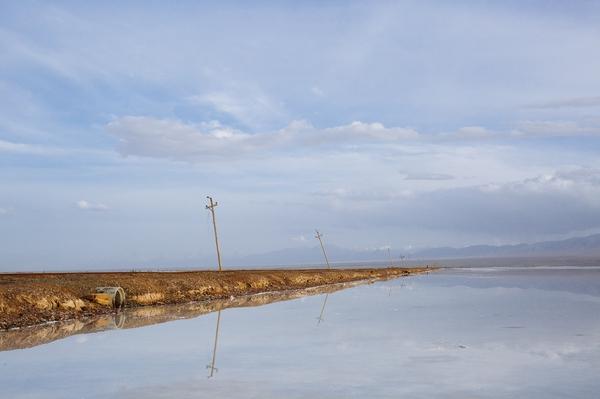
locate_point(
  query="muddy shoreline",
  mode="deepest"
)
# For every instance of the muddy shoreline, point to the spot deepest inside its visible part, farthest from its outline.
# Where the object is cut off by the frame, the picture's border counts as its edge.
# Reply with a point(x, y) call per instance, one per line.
point(135, 317)
point(28, 299)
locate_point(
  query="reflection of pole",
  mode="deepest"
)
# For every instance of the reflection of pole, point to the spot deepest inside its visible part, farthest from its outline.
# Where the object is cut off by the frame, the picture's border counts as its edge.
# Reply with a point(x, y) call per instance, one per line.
point(211, 208)
point(319, 236)
point(320, 318)
point(214, 356)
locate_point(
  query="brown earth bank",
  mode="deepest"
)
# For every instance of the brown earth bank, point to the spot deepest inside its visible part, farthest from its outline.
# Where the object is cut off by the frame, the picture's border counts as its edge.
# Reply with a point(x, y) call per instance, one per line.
point(28, 299)
point(40, 334)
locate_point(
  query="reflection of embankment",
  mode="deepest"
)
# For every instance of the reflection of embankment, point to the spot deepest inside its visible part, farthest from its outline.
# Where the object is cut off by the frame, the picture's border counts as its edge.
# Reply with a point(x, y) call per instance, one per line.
point(144, 316)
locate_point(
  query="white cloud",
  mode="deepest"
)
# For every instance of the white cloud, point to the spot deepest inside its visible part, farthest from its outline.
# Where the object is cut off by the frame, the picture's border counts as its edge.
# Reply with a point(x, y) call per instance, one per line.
point(576, 102)
point(525, 129)
point(375, 131)
point(173, 139)
point(427, 176)
point(365, 196)
point(559, 203)
point(165, 138)
point(582, 184)
point(299, 238)
point(21, 148)
point(10, 147)
point(555, 129)
point(317, 91)
point(251, 107)
point(194, 142)
point(579, 183)
point(473, 132)
point(467, 133)
point(90, 206)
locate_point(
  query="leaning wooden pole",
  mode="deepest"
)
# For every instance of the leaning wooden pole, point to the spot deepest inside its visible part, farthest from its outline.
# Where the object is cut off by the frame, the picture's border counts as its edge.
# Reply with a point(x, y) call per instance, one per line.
point(319, 237)
point(211, 207)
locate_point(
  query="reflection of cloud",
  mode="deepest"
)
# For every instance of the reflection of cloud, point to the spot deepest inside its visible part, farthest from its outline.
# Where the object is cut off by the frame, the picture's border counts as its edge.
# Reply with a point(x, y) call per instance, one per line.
point(81, 339)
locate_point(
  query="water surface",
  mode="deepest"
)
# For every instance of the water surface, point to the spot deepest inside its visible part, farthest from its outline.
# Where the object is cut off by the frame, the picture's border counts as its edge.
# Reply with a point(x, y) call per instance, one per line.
point(457, 333)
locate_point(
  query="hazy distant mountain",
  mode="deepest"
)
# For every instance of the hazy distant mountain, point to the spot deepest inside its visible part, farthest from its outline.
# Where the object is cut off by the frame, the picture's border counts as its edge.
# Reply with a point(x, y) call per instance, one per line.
point(309, 256)
point(579, 246)
point(312, 256)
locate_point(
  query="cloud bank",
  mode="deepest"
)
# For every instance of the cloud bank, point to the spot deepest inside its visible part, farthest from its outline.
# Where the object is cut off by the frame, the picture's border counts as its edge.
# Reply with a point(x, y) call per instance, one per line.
point(172, 139)
point(566, 200)
point(177, 140)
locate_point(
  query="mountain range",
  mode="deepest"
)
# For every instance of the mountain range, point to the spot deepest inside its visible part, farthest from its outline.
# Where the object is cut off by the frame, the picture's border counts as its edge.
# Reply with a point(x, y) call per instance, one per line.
point(588, 246)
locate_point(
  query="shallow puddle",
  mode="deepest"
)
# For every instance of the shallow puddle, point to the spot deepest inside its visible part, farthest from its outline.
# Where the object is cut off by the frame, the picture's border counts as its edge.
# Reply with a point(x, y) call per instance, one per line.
point(485, 333)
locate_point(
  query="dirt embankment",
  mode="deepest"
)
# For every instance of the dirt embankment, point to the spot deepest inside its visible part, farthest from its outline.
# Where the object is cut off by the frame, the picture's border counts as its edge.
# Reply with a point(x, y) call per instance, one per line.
point(29, 299)
point(135, 317)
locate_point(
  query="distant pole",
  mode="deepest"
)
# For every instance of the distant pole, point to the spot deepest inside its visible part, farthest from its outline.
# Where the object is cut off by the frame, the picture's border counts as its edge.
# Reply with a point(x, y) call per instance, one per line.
point(318, 236)
point(390, 256)
point(211, 207)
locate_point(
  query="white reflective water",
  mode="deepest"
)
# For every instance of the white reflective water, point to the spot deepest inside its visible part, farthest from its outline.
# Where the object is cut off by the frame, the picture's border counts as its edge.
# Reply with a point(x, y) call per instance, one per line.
point(462, 333)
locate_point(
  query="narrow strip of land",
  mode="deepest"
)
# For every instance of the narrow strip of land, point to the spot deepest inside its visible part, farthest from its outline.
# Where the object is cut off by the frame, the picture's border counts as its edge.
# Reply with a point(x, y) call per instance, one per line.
point(28, 299)
point(141, 316)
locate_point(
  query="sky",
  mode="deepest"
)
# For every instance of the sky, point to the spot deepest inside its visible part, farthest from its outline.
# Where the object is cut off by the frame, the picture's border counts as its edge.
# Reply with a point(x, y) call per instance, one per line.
point(383, 124)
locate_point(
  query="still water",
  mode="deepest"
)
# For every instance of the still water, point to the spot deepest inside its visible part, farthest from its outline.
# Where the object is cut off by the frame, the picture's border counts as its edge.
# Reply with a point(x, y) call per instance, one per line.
point(456, 333)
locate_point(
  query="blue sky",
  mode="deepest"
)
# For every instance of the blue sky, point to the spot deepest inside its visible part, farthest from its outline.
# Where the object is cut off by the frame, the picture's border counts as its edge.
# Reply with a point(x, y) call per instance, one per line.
point(401, 124)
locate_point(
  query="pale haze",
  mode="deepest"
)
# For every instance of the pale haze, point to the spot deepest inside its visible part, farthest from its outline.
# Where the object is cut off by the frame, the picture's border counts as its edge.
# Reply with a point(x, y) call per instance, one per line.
point(384, 124)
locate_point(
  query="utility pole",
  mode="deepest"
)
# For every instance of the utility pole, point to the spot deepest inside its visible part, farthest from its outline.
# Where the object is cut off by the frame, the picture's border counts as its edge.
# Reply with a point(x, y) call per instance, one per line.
point(319, 236)
point(390, 256)
point(211, 207)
